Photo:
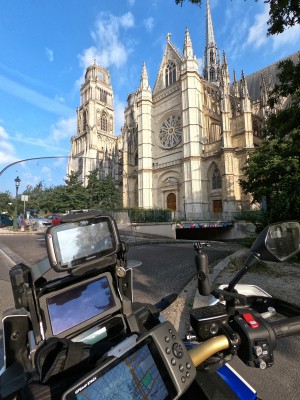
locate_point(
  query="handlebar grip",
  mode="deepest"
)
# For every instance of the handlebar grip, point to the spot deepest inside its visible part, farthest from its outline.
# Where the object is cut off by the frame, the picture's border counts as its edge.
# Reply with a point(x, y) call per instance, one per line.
point(286, 327)
point(206, 349)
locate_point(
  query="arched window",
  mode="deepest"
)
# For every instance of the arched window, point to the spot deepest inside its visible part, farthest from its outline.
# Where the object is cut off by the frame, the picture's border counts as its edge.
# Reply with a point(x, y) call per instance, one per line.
point(170, 74)
point(171, 201)
point(84, 123)
point(216, 179)
point(212, 74)
point(103, 122)
point(211, 57)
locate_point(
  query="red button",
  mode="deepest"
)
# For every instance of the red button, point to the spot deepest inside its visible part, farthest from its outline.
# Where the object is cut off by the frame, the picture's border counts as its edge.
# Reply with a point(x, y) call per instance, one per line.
point(250, 320)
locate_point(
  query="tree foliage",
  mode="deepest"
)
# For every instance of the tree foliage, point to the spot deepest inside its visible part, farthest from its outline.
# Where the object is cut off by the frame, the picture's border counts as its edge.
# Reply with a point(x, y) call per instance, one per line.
point(282, 14)
point(100, 193)
point(273, 170)
point(6, 202)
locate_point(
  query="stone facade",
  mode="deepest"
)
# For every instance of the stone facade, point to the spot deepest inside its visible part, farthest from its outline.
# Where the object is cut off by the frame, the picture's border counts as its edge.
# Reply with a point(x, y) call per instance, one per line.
point(184, 144)
point(95, 145)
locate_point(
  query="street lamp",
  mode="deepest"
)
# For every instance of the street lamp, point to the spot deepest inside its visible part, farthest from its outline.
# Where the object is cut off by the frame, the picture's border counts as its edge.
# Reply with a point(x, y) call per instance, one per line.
point(17, 183)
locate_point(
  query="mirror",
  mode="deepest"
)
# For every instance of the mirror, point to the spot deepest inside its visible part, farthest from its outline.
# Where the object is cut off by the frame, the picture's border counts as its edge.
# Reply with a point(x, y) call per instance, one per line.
point(283, 239)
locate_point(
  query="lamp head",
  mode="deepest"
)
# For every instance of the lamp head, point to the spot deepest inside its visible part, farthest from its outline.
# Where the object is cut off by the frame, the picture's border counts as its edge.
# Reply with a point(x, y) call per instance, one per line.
point(17, 181)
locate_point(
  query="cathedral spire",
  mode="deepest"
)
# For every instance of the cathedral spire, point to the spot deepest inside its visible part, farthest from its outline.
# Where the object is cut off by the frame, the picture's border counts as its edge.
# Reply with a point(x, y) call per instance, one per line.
point(244, 87)
point(246, 102)
point(225, 72)
point(235, 85)
point(188, 47)
point(144, 78)
point(210, 37)
point(211, 68)
point(263, 92)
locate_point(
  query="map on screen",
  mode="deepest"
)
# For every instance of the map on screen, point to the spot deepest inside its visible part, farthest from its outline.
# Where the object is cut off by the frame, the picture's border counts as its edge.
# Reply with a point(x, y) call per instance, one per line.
point(137, 375)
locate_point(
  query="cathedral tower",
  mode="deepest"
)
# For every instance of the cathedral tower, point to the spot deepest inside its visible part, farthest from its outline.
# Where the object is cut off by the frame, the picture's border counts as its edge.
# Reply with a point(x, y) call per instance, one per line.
point(95, 145)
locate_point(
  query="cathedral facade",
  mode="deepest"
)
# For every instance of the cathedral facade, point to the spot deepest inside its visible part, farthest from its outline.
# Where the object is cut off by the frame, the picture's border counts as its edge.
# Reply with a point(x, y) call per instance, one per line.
point(184, 144)
point(187, 140)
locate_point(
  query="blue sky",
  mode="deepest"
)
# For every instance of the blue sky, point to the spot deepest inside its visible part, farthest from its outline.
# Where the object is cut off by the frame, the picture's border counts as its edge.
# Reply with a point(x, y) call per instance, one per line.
point(45, 47)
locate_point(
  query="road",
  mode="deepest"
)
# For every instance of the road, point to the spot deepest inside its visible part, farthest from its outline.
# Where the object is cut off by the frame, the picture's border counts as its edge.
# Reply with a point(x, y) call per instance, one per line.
point(167, 268)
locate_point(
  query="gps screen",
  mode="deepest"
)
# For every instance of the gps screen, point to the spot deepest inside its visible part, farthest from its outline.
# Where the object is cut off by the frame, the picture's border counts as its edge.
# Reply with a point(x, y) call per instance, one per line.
point(83, 241)
point(79, 304)
point(138, 376)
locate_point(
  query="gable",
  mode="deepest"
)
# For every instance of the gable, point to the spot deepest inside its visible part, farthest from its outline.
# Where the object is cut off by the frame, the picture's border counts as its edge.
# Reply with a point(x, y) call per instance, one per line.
point(171, 56)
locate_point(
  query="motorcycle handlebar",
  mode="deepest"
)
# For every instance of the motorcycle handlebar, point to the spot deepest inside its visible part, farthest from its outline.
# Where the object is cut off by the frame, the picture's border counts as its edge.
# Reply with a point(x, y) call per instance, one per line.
point(286, 327)
point(208, 348)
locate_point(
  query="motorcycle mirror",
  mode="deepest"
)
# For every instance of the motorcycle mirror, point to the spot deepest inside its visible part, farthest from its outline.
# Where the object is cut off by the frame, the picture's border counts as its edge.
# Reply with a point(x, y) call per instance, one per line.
point(277, 242)
point(283, 240)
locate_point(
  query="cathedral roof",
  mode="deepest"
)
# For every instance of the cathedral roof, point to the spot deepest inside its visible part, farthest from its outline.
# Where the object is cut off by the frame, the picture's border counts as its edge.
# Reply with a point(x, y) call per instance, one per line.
point(269, 73)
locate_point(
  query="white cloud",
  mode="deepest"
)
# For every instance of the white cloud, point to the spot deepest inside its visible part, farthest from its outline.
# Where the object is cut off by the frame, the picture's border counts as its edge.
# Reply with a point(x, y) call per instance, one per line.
point(59, 98)
point(49, 54)
point(289, 37)
point(110, 48)
point(257, 34)
point(7, 150)
point(149, 24)
point(64, 128)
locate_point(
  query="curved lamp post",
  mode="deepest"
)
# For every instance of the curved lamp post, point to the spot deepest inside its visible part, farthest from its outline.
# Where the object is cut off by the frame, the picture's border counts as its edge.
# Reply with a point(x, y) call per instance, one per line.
point(17, 183)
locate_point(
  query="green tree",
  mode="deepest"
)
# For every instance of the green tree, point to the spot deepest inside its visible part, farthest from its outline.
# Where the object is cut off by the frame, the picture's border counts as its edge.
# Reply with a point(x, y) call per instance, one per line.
point(102, 193)
point(6, 202)
point(55, 199)
point(35, 196)
point(282, 14)
point(273, 170)
point(75, 197)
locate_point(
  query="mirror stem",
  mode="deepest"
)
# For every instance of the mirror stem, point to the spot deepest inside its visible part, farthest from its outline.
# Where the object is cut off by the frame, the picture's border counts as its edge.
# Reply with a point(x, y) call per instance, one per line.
point(250, 261)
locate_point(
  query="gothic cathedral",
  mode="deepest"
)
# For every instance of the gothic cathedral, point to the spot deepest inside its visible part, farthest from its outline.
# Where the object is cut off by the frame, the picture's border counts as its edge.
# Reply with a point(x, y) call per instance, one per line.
point(184, 144)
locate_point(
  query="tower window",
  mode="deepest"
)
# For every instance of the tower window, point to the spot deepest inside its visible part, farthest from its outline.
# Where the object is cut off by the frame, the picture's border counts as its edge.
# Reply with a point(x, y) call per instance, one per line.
point(170, 74)
point(103, 96)
point(216, 179)
point(212, 74)
point(84, 122)
point(211, 56)
point(104, 122)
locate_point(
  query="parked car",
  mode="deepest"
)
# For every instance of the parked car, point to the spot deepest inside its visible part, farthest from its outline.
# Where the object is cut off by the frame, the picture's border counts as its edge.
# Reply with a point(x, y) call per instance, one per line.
point(5, 220)
point(55, 218)
point(38, 222)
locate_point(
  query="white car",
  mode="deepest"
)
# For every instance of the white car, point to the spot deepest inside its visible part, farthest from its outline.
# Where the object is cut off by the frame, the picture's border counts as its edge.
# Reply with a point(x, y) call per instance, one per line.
point(39, 222)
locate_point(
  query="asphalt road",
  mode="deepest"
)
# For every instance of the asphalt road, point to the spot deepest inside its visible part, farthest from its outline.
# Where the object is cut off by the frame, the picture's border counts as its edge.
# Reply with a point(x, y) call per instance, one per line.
point(166, 268)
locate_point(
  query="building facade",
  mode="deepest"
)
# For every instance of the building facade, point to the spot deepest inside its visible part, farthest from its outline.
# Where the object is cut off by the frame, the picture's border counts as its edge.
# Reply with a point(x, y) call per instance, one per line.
point(95, 145)
point(185, 142)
